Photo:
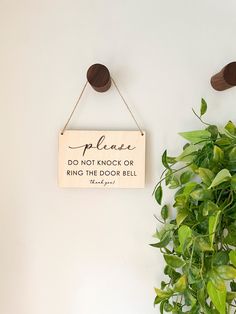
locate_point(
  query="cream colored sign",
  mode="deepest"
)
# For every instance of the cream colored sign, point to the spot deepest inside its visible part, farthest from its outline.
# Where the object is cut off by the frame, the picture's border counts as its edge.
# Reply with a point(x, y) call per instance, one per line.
point(101, 159)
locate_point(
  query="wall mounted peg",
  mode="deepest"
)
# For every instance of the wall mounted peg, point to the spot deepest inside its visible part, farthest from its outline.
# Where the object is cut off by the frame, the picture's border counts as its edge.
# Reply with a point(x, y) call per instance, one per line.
point(99, 77)
point(226, 78)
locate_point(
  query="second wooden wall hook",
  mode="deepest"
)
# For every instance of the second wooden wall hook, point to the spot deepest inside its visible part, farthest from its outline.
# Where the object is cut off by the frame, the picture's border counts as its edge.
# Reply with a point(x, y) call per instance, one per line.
point(226, 78)
point(99, 77)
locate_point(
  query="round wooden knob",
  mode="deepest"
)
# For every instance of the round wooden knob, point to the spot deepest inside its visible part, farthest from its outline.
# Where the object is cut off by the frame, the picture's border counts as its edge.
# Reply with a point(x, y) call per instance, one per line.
point(226, 78)
point(99, 77)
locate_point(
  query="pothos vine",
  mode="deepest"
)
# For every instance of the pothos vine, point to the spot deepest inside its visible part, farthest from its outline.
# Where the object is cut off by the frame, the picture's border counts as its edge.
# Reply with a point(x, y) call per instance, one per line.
point(198, 233)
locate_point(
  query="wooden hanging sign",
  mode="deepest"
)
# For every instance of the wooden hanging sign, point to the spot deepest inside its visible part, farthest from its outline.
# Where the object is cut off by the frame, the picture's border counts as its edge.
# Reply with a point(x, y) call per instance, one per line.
point(101, 159)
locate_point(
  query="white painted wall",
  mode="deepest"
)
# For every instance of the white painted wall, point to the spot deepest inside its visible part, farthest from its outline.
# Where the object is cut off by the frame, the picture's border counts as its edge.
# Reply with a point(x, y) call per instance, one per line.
point(68, 251)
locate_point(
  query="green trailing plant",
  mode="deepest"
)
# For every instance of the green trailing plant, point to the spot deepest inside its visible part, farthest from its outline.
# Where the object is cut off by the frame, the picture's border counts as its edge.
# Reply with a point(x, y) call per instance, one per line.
point(198, 233)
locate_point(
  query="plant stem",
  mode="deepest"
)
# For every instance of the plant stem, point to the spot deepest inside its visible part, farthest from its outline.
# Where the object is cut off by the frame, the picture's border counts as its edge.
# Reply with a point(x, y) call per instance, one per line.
point(200, 118)
point(186, 166)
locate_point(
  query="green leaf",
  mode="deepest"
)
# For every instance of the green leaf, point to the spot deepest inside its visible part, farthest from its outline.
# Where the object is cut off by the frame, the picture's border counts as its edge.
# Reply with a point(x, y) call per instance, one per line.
point(189, 187)
point(166, 228)
point(173, 261)
point(231, 236)
point(162, 295)
point(203, 107)
point(186, 176)
point(232, 159)
point(158, 194)
point(165, 236)
point(181, 215)
point(181, 284)
point(233, 182)
point(190, 301)
point(168, 176)
point(233, 286)
point(164, 160)
point(218, 297)
point(201, 297)
point(168, 307)
point(203, 245)
point(163, 285)
point(209, 208)
point(222, 176)
point(180, 200)
point(224, 141)
point(161, 305)
point(171, 160)
point(230, 297)
point(216, 280)
point(220, 258)
point(164, 241)
point(213, 222)
point(184, 233)
point(165, 212)
point(193, 274)
point(232, 154)
point(174, 275)
point(196, 136)
point(230, 127)
point(206, 175)
point(226, 272)
point(218, 154)
point(200, 194)
point(174, 183)
point(213, 130)
point(232, 257)
point(188, 154)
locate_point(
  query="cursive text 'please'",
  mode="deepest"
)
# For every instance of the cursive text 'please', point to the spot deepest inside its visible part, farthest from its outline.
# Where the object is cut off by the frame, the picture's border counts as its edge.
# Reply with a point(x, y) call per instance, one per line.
point(101, 146)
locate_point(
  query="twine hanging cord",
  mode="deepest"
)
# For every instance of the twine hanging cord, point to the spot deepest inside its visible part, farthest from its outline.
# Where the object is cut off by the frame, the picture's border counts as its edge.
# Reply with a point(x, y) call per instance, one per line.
point(76, 104)
point(127, 106)
point(119, 92)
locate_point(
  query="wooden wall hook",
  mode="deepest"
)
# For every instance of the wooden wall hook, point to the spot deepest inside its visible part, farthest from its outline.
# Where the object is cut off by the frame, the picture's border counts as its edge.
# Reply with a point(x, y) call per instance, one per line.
point(226, 78)
point(99, 77)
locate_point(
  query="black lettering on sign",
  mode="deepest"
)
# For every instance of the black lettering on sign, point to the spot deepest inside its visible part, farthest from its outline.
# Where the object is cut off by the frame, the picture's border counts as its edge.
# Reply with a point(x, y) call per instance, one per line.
point(75, 172)
point(109, 162)
point(100, 146)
